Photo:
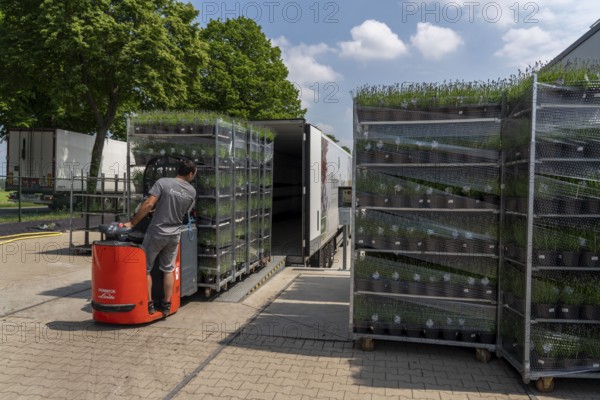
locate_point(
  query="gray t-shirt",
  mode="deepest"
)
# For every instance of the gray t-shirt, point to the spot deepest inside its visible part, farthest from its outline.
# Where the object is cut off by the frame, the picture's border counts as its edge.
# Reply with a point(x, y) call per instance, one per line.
point(175, 198)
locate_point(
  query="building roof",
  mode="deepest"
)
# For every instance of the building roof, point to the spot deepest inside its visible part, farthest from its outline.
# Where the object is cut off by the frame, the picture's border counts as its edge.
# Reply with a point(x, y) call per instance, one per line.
point(591, 32)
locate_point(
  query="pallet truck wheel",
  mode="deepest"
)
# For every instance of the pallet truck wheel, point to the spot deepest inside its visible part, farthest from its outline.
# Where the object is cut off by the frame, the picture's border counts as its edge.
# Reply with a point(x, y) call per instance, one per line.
point(207, 292)
point(545, 385)
point(366, 344)
point(483, 355)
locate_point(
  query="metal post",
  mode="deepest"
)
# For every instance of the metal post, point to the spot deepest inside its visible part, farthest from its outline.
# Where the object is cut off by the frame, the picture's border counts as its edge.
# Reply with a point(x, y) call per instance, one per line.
point(127, 177)
point(87, 209)
point(528, 280)
point(71, 211)
point(20, 192)
point(345, 247)
point(102, 198)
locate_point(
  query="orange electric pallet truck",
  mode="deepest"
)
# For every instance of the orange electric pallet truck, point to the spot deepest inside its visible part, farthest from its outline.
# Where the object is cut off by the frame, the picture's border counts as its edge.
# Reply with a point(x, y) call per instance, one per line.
point(119, 284)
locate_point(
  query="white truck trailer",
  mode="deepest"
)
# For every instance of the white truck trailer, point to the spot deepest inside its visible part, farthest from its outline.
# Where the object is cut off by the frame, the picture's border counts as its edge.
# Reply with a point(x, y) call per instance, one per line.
point(46, 164)
point(308, 167)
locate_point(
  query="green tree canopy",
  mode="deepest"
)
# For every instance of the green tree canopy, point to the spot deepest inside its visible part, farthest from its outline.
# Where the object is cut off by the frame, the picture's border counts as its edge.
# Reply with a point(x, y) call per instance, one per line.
point(245, 76)
point(78, 64)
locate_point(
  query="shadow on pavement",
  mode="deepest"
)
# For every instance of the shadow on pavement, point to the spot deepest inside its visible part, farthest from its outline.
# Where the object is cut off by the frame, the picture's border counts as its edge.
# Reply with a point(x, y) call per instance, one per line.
point(79, 290)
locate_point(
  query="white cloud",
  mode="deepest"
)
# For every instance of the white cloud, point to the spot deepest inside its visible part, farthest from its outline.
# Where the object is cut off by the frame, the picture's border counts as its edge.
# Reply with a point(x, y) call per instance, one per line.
point(524, 47)
point(435, 42)
point(311, 77)
point(373, 40)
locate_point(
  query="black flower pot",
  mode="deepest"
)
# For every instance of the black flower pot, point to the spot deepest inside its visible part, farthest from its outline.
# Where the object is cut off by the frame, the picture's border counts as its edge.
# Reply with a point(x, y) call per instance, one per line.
point(414, 201)
point(590, 259)
point(489, 293)
point(468, 335)
point(413, 331)
point(590, 312)
point(590, 206)
point(363, 241)
point(568, 311)
point(398, 201)
point(431, 333)
point(470, 292)
point(568, 258)
point(433, 289)
point(544, 258)
point(545, 311)
point(378, 285)
point(366, 199)
point(451, 290)
point(449, 334)
point(543, 362)
point(362, 327)
point(547, 206)
point(379, 328)
point(437, 201)
point(397, 287)
point(400, 158)
point(571, 206)
point(362, 285)
point(379, 201)
point(395, 329)
point(453, 246)
point(487, 337)
point(412, 244)
point(416, 288)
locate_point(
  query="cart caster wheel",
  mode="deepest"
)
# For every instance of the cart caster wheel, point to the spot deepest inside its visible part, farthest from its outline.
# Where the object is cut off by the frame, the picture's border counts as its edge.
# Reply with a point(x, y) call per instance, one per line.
point(207, 292)
point(483, 355)
point(545, 385)
point(366, 344)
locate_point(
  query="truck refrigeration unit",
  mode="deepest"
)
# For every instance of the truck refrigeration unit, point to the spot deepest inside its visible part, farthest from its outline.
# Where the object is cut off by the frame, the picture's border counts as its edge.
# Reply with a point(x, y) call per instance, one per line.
point(308, 168)
point(45, 161)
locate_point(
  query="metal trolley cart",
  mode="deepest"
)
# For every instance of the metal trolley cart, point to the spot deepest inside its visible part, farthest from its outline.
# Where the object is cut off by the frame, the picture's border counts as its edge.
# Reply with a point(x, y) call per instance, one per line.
point(549, 280)
point(426, 225)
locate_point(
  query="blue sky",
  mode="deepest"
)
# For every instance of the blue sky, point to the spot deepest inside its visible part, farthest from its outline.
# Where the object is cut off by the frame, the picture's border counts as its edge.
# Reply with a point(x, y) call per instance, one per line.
point(333, 47)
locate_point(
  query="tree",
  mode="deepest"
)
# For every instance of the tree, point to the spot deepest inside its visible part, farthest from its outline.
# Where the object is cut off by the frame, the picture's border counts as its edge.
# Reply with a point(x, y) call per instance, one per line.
point(332, 137)
point(245, 76)
point(80, 64)
point(347, 149)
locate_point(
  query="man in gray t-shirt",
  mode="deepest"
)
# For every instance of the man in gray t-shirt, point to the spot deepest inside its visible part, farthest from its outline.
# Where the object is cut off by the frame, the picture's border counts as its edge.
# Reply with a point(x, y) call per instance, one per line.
point(172, 199)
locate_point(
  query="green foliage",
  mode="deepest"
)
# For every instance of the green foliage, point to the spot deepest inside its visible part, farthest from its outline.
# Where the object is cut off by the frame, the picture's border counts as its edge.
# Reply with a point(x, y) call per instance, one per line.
point(591, 292)
point(457, 93)
point(544, 292)
point(82, 65)
point(573, 293)
point(245, 76)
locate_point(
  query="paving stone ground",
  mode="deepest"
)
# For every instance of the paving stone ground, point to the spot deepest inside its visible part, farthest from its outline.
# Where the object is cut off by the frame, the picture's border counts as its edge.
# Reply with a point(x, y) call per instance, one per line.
point(207, 350)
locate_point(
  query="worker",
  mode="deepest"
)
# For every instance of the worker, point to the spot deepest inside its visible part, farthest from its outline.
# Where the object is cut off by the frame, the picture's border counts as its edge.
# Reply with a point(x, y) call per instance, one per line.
point(170, 200)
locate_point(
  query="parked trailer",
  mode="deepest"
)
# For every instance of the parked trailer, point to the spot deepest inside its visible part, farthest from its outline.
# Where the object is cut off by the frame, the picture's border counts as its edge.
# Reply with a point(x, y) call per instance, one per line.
point(51, 162)
point(308, 168)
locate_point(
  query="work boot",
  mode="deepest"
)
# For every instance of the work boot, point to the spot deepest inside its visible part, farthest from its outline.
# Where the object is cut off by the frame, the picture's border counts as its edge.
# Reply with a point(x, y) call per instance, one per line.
point(165, 307)
point(151, 309)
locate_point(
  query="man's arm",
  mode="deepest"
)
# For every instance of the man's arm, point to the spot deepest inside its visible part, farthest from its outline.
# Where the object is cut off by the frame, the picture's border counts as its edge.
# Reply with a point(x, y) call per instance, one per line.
point(144, 210)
